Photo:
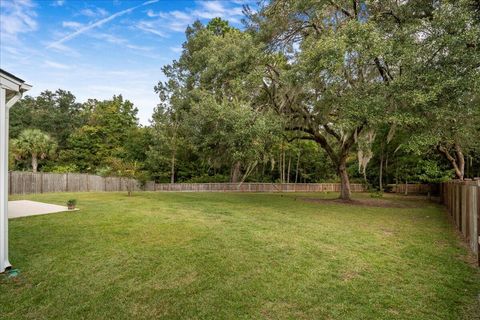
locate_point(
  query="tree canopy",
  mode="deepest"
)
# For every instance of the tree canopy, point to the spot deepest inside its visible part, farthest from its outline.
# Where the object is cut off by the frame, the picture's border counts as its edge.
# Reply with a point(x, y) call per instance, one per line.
point(378, 92)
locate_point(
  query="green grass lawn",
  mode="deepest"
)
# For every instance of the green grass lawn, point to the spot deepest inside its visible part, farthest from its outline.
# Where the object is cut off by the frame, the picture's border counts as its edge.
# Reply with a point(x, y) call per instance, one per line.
point(236, 256)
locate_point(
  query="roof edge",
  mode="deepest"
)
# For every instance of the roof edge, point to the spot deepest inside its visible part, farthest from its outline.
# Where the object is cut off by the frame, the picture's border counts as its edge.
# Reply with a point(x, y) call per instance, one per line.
point(12, 76)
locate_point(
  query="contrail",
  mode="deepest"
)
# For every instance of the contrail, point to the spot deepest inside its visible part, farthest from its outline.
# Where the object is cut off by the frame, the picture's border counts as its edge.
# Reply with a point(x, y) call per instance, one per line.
point(97, 24)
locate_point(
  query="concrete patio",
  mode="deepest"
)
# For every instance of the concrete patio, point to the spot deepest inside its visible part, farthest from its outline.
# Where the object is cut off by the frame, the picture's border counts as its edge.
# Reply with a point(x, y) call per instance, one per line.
point(26, 208)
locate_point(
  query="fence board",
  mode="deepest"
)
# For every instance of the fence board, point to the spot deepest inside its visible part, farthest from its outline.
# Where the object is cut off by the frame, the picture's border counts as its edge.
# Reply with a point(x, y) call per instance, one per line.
point(28, 183)
point(249, 187)
point(416, 188)
point(462, 201)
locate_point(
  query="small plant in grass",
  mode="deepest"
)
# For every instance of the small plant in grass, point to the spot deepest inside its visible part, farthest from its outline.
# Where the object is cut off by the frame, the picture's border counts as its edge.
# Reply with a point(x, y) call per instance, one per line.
point(71, 204)
point(376, 194)
point(129, 170)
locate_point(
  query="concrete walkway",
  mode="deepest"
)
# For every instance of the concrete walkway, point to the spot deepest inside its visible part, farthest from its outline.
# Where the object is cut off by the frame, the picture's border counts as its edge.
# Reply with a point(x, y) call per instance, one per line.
point(26, 208)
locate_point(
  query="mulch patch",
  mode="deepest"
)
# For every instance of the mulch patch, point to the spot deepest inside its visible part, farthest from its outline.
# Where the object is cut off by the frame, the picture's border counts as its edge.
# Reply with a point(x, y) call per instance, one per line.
point(379, 203)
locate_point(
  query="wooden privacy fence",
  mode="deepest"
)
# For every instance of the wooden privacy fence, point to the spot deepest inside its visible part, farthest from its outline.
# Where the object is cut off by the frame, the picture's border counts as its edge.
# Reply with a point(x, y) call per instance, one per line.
point(462, 199)
point(28, 182)
point(250, 187)
point(416, 188)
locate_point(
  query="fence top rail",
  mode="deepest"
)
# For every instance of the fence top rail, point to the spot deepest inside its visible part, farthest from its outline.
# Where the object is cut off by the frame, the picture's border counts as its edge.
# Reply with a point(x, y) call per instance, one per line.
point(45, 182)
point(474, 182)
point(251, 183)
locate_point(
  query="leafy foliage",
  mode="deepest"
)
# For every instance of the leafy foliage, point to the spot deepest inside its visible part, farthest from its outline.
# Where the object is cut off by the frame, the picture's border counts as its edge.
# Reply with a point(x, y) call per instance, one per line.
point(379, 92)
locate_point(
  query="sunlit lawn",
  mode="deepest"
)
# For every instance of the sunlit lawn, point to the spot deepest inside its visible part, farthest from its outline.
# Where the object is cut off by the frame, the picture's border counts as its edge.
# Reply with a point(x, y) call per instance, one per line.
point(236, 256)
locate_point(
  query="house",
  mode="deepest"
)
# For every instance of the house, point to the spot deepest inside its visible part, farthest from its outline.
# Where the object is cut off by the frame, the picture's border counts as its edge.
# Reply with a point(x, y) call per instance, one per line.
point(11, 90)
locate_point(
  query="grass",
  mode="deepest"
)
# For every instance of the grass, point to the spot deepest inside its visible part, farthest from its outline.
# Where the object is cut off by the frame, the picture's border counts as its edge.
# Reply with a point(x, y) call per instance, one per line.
point(236, 256)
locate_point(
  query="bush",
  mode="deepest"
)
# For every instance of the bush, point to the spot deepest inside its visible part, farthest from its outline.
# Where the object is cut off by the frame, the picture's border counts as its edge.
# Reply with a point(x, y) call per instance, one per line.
point(104, 171)
point(207, 179)
point(376, 194)
point(66, 168)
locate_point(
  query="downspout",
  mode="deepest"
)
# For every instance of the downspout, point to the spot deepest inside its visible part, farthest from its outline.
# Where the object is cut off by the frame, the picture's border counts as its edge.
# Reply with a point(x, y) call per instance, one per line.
point(4, 125)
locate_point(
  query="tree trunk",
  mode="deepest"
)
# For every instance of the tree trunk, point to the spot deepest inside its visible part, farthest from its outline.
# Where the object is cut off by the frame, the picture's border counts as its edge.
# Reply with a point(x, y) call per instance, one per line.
point(172, 169)
point(340, 158)
point(380, 174)
point(468, 166)
point(396, 177)
point(129, 187)
point(298, 164)
point(280, 166)
point(34, 162)
point(288, 170)
point(345, 193)
point(235, 172)
point(248, 171)
point(458, 163)
point(406, 187)
point(386, 169)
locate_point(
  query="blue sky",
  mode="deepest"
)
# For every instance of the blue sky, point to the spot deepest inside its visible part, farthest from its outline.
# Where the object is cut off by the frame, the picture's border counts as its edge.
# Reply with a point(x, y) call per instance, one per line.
point(100, 48)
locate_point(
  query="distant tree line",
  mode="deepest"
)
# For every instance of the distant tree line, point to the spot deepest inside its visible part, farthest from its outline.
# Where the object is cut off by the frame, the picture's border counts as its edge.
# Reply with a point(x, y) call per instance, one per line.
point(105, 138)
point(310, 91)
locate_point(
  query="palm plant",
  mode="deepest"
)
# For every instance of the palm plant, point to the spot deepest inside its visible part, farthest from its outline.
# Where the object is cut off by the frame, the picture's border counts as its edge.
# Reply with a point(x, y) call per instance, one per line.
point(35, 144)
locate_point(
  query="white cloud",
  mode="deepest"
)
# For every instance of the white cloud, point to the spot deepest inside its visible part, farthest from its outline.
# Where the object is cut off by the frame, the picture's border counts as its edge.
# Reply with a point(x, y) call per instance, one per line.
point(72, 24)
point(60, 47)
point(140, 48)
point(119, 41)
point(56, 65)
point(151, 14)
point(59, 3)
point(178, 21)
point(150, 2)
point(17, 16)
point(96, 24)
point(176, 49)
point(94, 13)
point(245, 2)
point(150, 27)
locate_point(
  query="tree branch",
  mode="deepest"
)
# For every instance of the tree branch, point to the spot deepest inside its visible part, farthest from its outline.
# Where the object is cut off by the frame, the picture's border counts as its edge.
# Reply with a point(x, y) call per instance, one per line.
point(332, 132)
point(381, 69)
point(344, 11)
point(452, 160)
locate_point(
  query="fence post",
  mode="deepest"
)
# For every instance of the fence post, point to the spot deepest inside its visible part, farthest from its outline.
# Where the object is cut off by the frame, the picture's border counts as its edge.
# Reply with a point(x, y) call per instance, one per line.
point(478, 223)
point(463, 201)
point(468, 214)
point(459, 207)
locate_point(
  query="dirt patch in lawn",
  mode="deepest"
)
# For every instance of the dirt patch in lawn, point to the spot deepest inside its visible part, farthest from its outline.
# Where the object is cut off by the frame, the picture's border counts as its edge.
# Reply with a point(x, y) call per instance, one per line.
point(379, 203)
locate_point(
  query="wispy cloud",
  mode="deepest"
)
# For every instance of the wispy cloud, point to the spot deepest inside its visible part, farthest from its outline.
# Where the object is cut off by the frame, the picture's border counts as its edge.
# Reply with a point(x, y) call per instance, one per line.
point(56, 65)
point(96, 24)
point(176, 49)
point(178, 21)
point(58, 3)
point(94, 13)
point(60, 47)
point(119, 41)
point(150, 27)
point(72, 24)
point(17, 16)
